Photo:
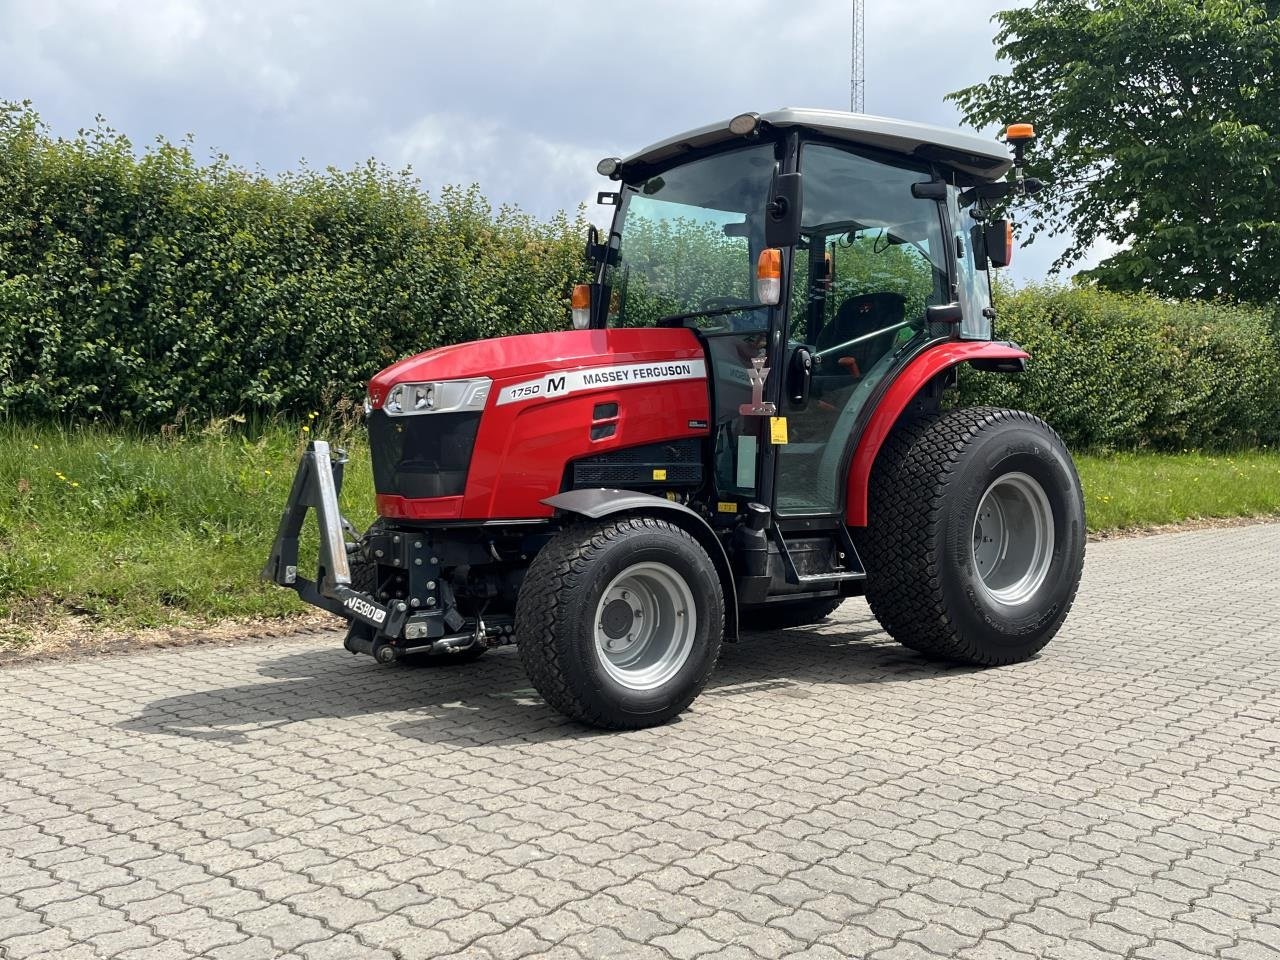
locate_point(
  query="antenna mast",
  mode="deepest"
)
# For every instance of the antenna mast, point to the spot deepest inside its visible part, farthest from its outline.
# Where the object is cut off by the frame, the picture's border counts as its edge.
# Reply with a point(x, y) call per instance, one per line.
point(857, 72)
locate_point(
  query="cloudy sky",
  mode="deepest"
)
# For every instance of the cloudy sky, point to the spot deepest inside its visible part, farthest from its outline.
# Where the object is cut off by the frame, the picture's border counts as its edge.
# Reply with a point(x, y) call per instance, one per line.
point(521, 97)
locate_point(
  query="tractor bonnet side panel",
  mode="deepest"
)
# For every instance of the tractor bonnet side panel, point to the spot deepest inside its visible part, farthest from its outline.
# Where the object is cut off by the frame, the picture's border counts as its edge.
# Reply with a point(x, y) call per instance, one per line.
point(557, 398)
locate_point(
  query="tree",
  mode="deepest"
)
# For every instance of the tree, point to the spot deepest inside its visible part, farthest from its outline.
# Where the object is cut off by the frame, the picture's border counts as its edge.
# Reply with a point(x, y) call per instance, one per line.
point(1159, 125)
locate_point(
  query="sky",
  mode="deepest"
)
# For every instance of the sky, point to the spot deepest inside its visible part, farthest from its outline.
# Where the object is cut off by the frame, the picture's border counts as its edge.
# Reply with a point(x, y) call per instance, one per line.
point(520, 97)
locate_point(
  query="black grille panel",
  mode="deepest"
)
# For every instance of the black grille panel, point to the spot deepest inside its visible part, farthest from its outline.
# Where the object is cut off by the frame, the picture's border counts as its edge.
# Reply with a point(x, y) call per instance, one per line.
point(635, 466)
point(423, 455)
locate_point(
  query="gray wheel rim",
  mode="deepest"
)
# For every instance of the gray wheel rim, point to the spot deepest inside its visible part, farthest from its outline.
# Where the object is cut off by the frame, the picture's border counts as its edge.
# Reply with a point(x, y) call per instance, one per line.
point(645, 625)
point(1013, 539)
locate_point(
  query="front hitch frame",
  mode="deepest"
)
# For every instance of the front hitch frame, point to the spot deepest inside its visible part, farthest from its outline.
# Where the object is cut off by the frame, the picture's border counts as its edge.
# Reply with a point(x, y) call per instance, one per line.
point(316, 486)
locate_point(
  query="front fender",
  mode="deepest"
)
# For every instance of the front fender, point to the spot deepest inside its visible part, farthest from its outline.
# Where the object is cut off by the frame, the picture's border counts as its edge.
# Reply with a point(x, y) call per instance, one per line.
point(896, 399)
point(596, 504)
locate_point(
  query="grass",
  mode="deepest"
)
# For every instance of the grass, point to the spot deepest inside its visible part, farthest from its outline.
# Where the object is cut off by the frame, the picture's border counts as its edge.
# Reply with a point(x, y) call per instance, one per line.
point(129, 531)
point(135, 531)
point(1133, 490)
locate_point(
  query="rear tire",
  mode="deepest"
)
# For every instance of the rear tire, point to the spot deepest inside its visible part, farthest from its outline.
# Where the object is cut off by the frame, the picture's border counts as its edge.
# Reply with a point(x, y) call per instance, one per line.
point(794, 613)
point(976, 535)
point(619, 622)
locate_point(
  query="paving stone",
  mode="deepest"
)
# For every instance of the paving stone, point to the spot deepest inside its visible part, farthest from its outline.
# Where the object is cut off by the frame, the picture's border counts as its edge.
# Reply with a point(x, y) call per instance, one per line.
point(830, 795)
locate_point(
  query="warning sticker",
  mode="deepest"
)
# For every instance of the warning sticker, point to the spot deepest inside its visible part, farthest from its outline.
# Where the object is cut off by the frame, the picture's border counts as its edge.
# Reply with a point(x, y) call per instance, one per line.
point(563, 382)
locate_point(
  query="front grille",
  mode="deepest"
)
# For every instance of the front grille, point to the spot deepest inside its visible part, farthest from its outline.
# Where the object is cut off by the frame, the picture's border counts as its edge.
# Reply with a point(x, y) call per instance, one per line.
point(423, 455)
point(681, 460)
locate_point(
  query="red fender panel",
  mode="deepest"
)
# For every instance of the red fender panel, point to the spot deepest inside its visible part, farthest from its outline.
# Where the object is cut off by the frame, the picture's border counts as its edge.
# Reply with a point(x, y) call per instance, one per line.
point(900, 393)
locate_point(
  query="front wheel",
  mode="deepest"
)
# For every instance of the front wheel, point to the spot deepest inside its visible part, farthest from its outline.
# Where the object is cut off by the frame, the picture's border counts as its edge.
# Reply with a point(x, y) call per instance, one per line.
point(619, 622)
point(976, 535)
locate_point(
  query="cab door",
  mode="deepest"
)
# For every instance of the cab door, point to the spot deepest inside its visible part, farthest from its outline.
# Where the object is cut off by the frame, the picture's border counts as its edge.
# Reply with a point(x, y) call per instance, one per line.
point(872, 258)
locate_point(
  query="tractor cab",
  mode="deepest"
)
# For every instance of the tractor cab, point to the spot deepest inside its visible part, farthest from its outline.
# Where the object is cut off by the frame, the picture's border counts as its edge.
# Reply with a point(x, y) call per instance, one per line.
point(742, 429)
point(829, 246)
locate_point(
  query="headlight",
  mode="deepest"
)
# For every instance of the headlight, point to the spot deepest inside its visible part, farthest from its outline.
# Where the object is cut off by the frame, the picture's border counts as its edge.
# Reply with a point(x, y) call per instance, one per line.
point(444, 396)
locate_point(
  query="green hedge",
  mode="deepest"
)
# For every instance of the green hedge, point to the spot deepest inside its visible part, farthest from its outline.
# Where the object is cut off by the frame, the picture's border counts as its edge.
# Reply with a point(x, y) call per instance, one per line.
point(144, 286)
point(141, 286)
point(1117, 371)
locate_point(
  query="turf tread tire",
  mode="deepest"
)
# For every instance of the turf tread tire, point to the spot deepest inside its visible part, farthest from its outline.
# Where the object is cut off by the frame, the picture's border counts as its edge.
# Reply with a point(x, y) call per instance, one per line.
point(910, 481)
point(549, 589)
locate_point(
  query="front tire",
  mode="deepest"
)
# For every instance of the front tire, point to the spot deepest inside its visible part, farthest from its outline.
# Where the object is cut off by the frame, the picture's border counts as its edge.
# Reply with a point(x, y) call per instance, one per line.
point(976, 535)
point(619, 622)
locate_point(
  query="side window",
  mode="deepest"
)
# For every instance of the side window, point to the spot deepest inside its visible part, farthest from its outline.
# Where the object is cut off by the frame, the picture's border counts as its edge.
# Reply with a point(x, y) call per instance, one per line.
point(872, 256)
point(801, 295)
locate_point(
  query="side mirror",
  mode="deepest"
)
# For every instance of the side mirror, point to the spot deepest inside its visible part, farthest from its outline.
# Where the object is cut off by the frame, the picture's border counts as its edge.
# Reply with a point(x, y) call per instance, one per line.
point(999, 242)
point(992, 243)
point(799, 376)
point(782, 214)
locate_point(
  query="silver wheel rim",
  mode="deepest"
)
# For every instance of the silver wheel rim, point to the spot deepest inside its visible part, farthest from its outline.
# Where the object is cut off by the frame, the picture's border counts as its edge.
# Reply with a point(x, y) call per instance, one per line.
point(645, 625)
point(1013, 539)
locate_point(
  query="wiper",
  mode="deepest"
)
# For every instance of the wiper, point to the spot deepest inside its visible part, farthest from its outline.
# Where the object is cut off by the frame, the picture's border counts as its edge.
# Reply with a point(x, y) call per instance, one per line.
point(678, 318)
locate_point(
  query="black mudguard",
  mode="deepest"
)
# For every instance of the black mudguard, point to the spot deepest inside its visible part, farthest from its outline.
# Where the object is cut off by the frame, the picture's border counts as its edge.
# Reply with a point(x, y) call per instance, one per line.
point(604, 502)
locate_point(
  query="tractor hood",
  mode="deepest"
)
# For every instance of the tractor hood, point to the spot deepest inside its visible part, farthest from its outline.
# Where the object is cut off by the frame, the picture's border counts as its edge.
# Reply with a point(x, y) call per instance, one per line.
point(530, 355)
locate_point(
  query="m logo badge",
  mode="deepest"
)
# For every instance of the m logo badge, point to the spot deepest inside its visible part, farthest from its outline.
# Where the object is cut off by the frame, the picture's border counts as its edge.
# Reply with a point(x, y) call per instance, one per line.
point(758, 407)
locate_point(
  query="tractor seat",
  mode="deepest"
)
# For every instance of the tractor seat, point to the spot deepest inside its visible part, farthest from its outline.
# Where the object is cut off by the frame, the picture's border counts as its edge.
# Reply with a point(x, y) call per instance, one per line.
point(857, 316)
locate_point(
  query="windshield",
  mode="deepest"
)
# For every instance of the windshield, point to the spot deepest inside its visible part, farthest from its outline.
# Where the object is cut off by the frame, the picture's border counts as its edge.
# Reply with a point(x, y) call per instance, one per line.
point(688, 240)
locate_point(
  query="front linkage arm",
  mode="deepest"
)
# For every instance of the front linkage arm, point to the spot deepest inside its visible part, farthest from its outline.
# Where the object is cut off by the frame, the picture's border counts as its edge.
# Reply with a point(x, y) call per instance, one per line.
point(316, 486)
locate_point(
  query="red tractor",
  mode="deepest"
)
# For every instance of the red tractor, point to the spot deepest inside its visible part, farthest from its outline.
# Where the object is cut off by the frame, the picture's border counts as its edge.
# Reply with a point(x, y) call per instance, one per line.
point(745, 426)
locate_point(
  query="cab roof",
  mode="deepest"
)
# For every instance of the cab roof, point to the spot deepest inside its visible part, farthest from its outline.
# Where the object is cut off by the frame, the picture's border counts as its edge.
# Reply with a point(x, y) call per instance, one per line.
point(975, 158)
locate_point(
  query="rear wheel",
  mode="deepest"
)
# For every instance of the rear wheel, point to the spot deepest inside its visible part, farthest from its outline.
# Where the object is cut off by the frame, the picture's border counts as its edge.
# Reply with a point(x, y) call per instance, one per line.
point(619, 622)
point(976, 535)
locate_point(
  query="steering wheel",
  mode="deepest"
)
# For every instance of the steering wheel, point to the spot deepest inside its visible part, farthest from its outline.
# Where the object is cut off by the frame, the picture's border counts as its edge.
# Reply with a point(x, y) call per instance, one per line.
point(717, 323)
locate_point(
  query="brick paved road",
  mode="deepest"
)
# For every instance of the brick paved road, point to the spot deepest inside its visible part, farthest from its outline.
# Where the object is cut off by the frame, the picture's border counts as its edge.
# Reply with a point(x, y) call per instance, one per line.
point(831, 795)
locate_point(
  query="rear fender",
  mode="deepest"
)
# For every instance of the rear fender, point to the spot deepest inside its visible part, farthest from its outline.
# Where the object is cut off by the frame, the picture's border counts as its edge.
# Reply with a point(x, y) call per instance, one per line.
point(596, 504)
point(917, 374)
